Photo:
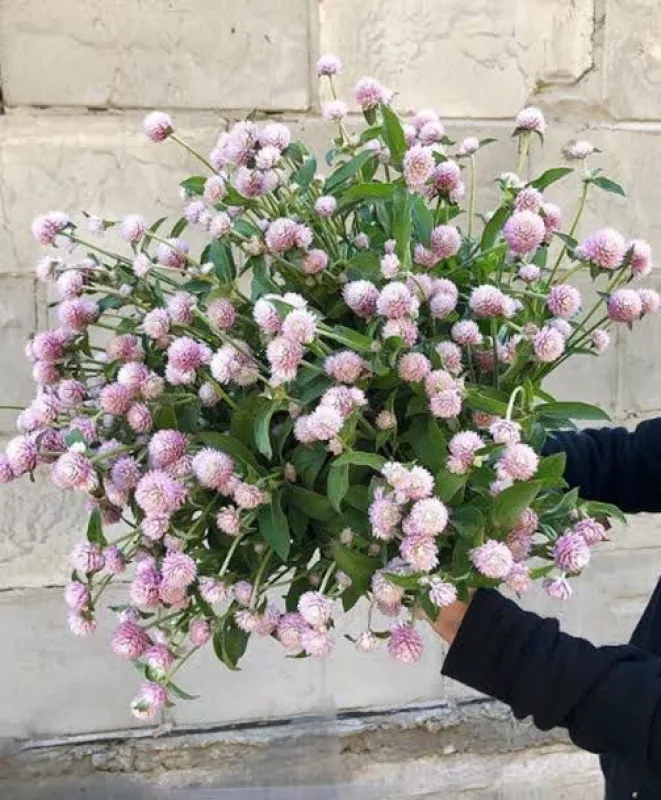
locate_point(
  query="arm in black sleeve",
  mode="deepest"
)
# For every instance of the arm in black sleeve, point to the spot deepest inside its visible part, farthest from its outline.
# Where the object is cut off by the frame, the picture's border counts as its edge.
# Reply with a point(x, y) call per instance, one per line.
point(608, 698)
point(614, 465)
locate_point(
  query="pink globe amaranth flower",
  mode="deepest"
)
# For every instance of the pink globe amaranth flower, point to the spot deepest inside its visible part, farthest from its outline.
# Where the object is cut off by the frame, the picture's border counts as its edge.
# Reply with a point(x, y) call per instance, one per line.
point(579, 150)
point(145, 588)
point(6, 472)
point(413, 367)
point(213, 591)
point(445, 241)
point(463, 447)
point(341, 399)
point(401, 328)
point(76, 596)
point(424, 117)
point(564, 300)
point(275, 134)
point(424, 257)
point(420, 552)
point(48, 346)
point(446, 404)
point(243, 592)
point(213, 468)
point(159, 658)
point(552, 216)
point(606, 248)
point(141, 265)
point(132, 376)
point(442, 594)
point(139, 418)
point(528, 199)
point(317, 642)
point(129, 641)
point(469, 146)
point(519, 462)
point(215, 189)
point(46, 228)
point(450, 355)
point(21, 454)
point(157, 126)
point(266, 316)
point(562, 326)
point(367, 642)
point(300, 326)
point(150, 700)
point(85, 426)
point(530, 119)
point(81, 624)
point(467, 333)
point(650, 300)
point(397, 475)
point(115, 563)
point(187, 355)
point(446, 177)
point(600, 340)
point(361, 297)
point(208, 395)
point(70, 284)
point(422, 286)
point(592, 531)
point(199, 632)
point(369, 93)
point(641, 257)
point(46, 267)
point(156, 323)
point(77, 313)
point(405, 644)
point(625, 305)
point(384, 590)
point(324, 423)
point(325, 206)
point(281, 235)
point(384, 516)
point(221, 313)
point(548, 344)
point(228, 521)
point(247, 621)
point(345, 366)
point(166, 447)
point(304, 237)
point(268, 621)
point(428, 517)
point(335, 110)
point(390, 266)
point(284, 355)
point(396, 301)
point(488, 301)
point(558, 588)
point(220, 225)
point(417, 166)
point(247, 496)
point(520, 545)
point(173, 253)
point(73, 470)
point(519, 580)
point(159, 495)
point(420, 484)
point(505, 431)
point(178, 570)
point(132, 228)
point(442, 305)
point(492, 559)
point(529, 273)
point(571, 553)
point(431, 132)
point(315, 608)
point(524, 231)
point(115, 399)
point(329, 65)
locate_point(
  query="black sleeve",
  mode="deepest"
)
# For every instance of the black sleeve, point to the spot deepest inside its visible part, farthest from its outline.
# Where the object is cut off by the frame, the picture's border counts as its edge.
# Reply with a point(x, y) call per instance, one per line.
point(614, 465)
point(608, 698)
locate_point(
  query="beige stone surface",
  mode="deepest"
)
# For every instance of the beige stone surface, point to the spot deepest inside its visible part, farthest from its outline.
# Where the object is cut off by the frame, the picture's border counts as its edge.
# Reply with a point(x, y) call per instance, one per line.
point(475, 58)
point(17, 322)
point(146, 53)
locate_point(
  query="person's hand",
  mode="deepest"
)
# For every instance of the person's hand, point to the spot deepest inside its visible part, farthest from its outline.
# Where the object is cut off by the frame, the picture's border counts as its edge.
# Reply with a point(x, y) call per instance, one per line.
point(449, 620)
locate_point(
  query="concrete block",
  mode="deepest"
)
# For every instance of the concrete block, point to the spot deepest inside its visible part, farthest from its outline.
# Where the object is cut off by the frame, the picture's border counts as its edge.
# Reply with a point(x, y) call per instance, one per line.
point(200, 54)
point(17, 322)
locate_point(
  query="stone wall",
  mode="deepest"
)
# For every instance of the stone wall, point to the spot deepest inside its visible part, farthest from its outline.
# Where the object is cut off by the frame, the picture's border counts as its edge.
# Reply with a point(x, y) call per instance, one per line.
point(76, 78)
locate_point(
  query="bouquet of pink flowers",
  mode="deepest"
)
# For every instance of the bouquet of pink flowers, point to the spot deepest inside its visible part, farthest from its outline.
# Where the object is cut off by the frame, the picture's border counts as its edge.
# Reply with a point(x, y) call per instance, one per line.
point(337, 398)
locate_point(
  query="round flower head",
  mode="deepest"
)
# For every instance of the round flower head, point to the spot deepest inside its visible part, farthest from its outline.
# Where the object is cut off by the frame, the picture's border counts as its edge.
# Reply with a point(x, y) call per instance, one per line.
point(213, 468)
point(428, 518)
point(199, 632)
point(221, 313)
point(592, 531)
point(129, 641)
point(548, 344)
point(21, 454)
point(384, 590)
point(281, 235)
point(115, 563)
point(74, 470)
point(314, 262)
point(325, 206)
point(159, 659)
point(552, 216)
point(418, 165)
point(81, 624)
point(361, 297)
point(600, 340)
point(149, 702)
point(447, 177)
point(450, 355)
point(488, 301)
point(505, 431)
point(76, 596)
point(289, 631)
point(132, 228)
point(159, 495)
point(558, 588)
point(442, 594)
point(401, 328)
point(46, 228)
point(469, 146)
point(317, 642)
point(445, 241)
point(213, 591)
point(492, 559)
point(446, 404)
point(564, 300)
point(641, 257)
point(157, 126)
point(315, 608)
point(275, 134)
point(248, 497)
point(519, 462)
point(139, 418)
point(579, 150)
point(370, 93)
point(524, 231)
point(571, 552)
point(335, 110)
point(467, 333)
point(442, 305)
point(413, 367)
point(528, 199)
point(166, 447)
point(530, 119)
point(405, 644)
point(650, 300)
point(605, 248)
point(300, 326)
point(384, 515)
point(463, 447)
point(420, 552)
point(367, 642)
point(625, 305)
point(173, 253)
point(228, 520)
point(431, 132)
point(519, 580)
point(345, 366)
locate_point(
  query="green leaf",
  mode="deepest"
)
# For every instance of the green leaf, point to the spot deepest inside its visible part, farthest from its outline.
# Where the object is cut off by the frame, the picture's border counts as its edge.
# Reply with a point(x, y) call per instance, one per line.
point(598, 509)
point(511, 503)
point(448, 484)
point(180, 693)
point(423, 221)
point(541, 572)
point(95, 528)
point(401, 224)
point(229, 644)
point(194, 185)
point(274, 527)
point(469, 522)
point(428, 442)
point(228, 444)
point(549, 177)
point(493, 228)
point(479, 401)
point(393, 133)
point(314, 505)
point(75, 437)
point(109, 302)
point(338, 484)
point(350, 338)
point(179, 227)
point(552, 467)
point(347, 171)
point(221, 258)
point(608, 185)
point(305, 173)
point(366, 191)
point(264, 415)
point(569, 241)
point(308, 461)
point(359, 459)
point(262, 283)
point(357, 566)
point(563, 410)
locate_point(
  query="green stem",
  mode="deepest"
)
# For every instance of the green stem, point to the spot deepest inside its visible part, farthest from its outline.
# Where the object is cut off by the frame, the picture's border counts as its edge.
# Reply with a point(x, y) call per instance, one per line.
point(471, 197)
point(193, 152)
point(179, 665)
point(524, 146)
point(96, 249)
point(327, 576)
point(510, 405)
point(229, 555)
point(572, 230)
point(260, 574)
